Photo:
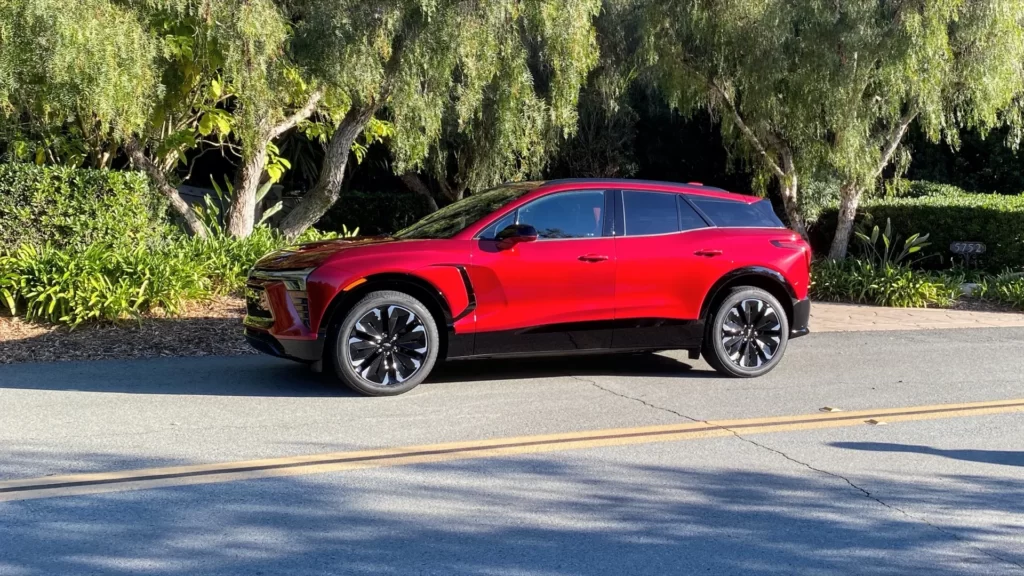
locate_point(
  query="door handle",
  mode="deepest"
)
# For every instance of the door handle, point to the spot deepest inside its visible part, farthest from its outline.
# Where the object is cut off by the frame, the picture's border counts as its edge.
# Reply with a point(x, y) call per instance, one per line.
point(708, 252)
point(593, 258)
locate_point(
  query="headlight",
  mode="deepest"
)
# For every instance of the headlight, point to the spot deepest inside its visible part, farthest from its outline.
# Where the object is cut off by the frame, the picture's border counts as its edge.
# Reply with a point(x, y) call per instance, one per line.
point(292, 279)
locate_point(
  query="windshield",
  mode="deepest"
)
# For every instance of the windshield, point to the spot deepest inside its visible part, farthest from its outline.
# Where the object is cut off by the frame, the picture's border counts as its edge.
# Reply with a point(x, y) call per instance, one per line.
point(454, 218)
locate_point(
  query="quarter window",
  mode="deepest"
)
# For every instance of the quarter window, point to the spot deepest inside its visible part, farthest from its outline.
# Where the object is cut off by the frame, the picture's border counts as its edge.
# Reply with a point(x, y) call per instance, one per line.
point(647, 213)
point(738, 214)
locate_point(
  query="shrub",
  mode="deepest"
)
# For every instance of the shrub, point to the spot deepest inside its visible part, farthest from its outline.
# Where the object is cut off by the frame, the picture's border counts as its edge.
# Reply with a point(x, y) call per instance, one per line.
point(375, 213)
point(947, 214)
point(105, 282)
point(888, 285)
point(98, 283)
point(1007, 288)
point(71, 207)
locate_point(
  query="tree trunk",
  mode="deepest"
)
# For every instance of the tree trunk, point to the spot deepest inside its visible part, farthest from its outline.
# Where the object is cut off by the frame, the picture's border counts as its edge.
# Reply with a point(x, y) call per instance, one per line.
point(325, 193)
point(792, 205)
point(849, 198)
point(413, 182)
point(140, 160)
point(241, 214)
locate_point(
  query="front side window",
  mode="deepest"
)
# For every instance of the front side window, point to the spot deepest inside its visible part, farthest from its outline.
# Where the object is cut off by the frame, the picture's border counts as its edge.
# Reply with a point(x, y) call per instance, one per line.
point(647, 213)
point(566, 215)
point(738, 214)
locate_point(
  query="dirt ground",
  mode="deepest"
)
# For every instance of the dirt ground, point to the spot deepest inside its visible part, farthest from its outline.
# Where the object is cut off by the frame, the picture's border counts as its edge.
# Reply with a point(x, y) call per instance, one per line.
point(210, 328)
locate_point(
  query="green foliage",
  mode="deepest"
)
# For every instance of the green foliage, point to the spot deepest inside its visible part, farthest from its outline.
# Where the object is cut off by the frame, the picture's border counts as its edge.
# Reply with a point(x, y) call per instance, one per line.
point(76, 207)
point(886, 254)
point(889, 285)
point(1007, 288)
point(85, 63)
point(477, 93)
point(97, 283)
point(105, 282)
point(211, 212)
point(375, 212)
point(949, 215)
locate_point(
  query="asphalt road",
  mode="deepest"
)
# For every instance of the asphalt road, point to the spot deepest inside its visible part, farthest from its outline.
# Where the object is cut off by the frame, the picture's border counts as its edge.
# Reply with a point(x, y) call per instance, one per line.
point(943, 495)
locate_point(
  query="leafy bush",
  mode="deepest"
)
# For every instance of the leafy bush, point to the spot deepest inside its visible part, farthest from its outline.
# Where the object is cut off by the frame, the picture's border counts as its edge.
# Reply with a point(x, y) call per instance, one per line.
point(98, 283)
point(375, 213)
point(888, 285)
point(105, 282)
point(948, 214)
point(71, 207)
point(1007, 288)
point(886, 254)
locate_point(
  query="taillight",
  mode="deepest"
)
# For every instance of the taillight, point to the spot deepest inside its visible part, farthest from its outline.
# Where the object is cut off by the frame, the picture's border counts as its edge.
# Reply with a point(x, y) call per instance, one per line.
point(797, 244)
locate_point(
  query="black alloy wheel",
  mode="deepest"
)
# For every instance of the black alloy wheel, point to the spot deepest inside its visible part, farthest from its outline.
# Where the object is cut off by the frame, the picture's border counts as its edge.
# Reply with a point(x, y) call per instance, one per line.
point(386, 345)
point(747, 334)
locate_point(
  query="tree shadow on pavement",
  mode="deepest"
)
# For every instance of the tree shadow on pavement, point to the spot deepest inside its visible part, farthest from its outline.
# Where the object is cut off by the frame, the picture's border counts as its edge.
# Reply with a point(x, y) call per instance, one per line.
point(600, 515)
point(1004, 457)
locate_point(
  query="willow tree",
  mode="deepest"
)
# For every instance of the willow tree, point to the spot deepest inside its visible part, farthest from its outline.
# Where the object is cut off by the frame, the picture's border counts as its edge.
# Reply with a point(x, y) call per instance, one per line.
point(809, 86)
point(738, 59)
point(946, 64)
point(76, 76)
point(507, 72)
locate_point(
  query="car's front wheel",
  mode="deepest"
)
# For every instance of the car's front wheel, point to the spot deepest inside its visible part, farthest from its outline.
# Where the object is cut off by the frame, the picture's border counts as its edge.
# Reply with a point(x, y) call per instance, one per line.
point(746, 334)
point(385, 345)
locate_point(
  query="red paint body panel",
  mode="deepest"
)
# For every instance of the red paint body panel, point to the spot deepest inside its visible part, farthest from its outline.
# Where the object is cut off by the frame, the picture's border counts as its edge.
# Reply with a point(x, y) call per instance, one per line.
point(545, 282)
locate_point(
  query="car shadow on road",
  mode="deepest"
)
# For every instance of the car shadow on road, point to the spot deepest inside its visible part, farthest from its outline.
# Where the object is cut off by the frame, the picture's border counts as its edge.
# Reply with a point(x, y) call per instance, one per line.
point(272, 377)
point(1004, 457)
point(655, 365)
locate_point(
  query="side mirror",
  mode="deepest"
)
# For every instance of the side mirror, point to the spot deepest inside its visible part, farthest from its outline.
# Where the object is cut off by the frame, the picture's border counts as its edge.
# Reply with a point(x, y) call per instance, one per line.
point(514, 234)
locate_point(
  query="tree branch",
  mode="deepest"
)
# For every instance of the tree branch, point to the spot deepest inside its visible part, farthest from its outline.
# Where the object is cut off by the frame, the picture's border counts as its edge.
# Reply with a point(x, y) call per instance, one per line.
point(747, 131)
point(893, 141)
point(140, 160)
point(300, 115)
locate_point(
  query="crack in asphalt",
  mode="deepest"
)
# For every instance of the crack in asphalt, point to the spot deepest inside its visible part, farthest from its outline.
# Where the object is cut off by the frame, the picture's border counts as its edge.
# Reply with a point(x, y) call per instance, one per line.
point(866, 493)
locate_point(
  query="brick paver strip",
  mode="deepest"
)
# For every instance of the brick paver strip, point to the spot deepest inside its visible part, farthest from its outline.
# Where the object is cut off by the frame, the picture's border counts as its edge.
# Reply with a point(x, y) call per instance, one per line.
point(830, 317)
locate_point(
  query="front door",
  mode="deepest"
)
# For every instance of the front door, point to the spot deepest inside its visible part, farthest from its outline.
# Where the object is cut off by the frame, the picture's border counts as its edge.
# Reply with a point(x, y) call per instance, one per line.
point(554, 294)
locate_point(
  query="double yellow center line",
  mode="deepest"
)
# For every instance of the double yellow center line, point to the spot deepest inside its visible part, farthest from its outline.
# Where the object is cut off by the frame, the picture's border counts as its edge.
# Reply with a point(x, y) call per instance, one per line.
point(79, 484)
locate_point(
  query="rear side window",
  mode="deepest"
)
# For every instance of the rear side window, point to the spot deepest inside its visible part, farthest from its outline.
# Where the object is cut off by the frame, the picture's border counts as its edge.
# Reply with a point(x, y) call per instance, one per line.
point(738, 214)
point(647, 213)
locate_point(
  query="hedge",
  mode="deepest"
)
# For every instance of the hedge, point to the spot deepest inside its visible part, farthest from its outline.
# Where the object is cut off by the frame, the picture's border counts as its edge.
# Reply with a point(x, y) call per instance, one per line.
point(374, 212)
point(72, 207)
point(947, 214)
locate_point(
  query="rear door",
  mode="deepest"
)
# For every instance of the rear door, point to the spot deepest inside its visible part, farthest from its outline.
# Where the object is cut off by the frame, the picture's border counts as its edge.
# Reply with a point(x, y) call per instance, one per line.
point(662, 272)
point(552, 294)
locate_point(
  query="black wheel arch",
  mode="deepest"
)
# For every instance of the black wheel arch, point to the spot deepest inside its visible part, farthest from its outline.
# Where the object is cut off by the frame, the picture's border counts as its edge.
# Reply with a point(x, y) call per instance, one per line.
point(766, 279)
point(414, 286)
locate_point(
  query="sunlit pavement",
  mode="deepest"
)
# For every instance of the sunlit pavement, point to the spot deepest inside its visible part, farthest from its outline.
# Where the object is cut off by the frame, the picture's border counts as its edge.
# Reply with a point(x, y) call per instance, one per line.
point(937, 496)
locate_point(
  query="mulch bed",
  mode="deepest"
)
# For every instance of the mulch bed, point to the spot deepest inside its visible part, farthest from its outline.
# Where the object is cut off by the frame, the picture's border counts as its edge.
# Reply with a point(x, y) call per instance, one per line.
point(209, 328)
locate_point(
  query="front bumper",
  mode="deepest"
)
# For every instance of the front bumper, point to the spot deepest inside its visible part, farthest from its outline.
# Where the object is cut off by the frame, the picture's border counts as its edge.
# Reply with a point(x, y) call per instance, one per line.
point(293, 349)
point(801, 318)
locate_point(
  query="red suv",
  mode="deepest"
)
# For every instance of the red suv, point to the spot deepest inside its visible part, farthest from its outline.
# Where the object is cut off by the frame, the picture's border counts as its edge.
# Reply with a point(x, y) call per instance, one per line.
point(532, 268)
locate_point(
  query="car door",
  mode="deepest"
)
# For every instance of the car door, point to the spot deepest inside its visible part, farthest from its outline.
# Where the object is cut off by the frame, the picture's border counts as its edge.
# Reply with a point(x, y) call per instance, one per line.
point(553, 294)
point(665, 264)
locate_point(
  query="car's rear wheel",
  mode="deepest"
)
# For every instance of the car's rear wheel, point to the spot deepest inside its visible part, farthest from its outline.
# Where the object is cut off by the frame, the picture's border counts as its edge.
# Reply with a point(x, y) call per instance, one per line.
point(746, 334)
point(385, 345)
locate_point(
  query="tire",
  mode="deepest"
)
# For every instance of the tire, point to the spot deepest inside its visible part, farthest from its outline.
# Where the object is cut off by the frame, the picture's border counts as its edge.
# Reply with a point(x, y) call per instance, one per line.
point(371, 359)
point(746, 334)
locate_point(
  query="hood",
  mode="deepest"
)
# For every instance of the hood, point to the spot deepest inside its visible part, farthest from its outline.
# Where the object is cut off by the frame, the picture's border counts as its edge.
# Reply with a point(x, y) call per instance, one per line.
point(313, 254)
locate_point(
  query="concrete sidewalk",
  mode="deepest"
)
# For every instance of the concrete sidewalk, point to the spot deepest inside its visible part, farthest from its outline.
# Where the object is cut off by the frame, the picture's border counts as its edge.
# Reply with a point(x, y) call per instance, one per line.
point(831, 317)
